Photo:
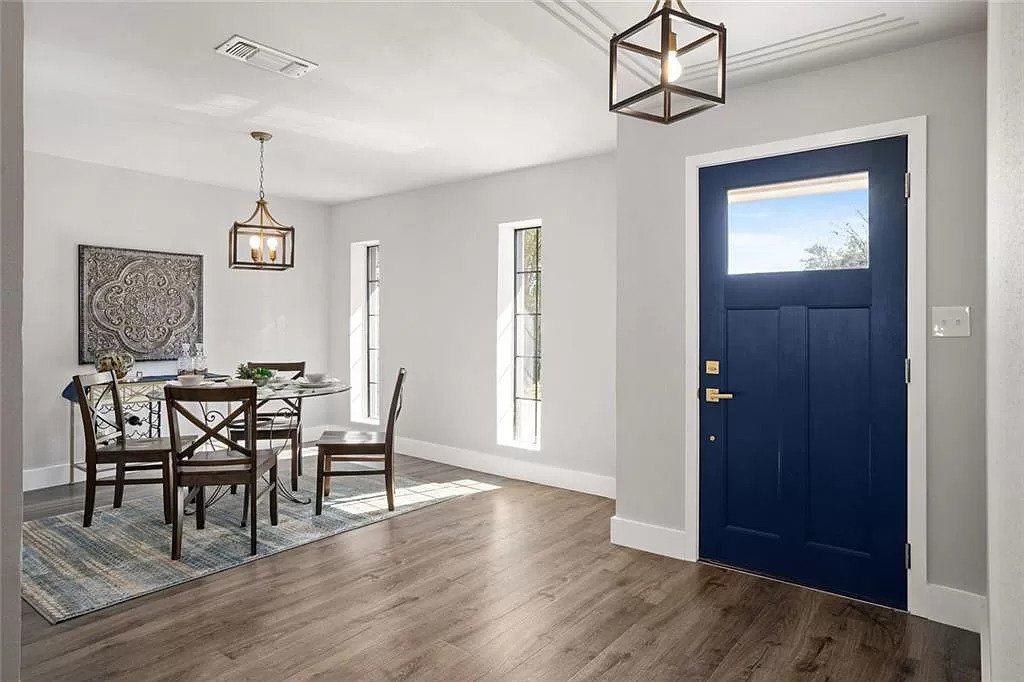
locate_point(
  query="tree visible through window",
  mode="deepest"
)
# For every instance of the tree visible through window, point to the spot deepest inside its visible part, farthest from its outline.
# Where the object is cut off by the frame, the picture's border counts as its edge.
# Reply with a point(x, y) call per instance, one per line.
point(851, 253)
point(527, 345)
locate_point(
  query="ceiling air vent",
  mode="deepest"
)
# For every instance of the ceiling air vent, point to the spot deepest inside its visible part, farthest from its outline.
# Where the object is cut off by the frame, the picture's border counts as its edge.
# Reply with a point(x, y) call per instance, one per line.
point(265, 57)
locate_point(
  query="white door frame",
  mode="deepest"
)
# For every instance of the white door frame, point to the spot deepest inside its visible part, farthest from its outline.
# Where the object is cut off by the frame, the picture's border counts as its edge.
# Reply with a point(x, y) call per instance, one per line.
point(916, 131)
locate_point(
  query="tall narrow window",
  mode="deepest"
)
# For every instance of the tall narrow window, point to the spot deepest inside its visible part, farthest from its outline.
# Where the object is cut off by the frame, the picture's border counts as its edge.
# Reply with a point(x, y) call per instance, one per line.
point(364, 332)
point(372, 330)
point(526, 356)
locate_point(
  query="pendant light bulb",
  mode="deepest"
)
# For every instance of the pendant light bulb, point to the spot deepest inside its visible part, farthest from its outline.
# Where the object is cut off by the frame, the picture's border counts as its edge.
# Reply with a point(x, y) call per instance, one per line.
point(673, 68)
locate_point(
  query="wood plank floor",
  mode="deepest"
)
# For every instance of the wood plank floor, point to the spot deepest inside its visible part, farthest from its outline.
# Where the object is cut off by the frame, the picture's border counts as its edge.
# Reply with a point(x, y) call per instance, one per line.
point(516, 583)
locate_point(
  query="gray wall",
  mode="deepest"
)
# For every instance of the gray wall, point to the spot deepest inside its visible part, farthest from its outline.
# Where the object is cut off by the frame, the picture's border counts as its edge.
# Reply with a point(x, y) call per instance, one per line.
point(439, 264)
point(945, 81)
point(1005, 343)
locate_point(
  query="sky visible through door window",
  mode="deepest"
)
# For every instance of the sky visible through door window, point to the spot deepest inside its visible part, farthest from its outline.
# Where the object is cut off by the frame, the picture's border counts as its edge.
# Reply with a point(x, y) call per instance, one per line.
point(816, 224)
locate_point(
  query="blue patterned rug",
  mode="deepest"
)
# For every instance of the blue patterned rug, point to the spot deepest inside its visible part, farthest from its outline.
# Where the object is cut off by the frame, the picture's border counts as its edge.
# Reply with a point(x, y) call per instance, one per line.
point(68, 570)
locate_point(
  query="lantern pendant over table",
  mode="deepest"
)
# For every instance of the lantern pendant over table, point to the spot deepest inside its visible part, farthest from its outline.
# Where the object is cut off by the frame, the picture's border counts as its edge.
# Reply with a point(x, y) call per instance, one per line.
point(260, 242)
point(647, 75)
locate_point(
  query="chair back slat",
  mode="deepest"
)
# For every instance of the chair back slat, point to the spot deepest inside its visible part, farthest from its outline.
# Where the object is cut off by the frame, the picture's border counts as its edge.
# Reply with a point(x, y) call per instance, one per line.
point(396, 409)
point(214, 426)
point(295, 370)
point(92, 390)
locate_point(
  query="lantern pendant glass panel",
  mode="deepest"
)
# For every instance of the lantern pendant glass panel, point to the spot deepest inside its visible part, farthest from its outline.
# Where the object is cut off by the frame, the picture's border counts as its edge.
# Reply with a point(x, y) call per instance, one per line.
point(668, 66)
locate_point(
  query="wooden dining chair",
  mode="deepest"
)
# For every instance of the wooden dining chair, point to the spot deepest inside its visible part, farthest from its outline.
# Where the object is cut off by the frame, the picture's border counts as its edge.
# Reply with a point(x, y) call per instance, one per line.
point(285, 422)
point(360, 446)
point(214, 458)
point(107, 443)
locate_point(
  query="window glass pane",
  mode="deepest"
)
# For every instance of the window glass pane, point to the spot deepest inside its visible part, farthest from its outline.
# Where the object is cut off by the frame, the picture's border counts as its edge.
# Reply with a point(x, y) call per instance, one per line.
point(372, 399)
point(528, 293)
point(372, 263)
point(527, 377)
point(372, 366)
point(527, 249)
point(373, 298)
point(526, 421)
point(816, 224)
point(527, 335)
point(373, 332)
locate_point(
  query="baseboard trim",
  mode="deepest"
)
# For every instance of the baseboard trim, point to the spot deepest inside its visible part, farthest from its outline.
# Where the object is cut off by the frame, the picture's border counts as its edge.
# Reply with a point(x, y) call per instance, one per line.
point(952, 606)
point(670, 542)
point(57, 474)
point(569, 479)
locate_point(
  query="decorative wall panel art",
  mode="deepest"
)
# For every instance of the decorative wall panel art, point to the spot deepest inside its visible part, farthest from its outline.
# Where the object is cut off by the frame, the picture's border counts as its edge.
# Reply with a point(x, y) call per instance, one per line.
point(147, 303)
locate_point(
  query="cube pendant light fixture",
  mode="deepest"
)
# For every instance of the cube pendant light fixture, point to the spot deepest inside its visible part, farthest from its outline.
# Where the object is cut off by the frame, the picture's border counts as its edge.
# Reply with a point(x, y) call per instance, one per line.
point(669, 66)
point(260, 242)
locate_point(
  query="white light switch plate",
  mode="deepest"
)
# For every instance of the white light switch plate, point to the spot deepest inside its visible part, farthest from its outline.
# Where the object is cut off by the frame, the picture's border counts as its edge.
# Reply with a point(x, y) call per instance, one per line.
point(951, 320)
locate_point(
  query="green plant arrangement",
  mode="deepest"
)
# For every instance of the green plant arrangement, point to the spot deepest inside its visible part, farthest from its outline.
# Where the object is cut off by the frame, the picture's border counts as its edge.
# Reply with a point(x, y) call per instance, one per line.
point(258, 375)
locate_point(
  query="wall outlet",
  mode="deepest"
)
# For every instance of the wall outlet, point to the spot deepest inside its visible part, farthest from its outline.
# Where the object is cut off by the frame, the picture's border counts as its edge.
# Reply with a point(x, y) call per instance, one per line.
point(951, 320)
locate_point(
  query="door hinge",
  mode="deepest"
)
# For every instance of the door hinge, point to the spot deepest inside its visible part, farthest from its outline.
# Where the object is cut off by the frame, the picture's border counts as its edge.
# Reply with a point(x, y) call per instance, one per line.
point(906, 553)
point(906, 370)
point(906, 185)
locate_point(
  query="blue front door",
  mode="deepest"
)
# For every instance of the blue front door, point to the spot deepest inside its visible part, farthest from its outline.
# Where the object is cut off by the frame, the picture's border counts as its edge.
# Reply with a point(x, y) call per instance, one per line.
point(803, 471)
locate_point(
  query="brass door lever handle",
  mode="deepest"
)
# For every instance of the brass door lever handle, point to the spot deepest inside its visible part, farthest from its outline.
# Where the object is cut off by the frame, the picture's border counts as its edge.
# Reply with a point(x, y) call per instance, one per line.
point(712, 395)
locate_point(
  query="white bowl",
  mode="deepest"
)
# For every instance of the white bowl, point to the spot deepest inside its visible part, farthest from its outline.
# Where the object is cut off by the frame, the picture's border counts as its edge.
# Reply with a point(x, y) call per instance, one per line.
point(191, 379)
point(316, 377)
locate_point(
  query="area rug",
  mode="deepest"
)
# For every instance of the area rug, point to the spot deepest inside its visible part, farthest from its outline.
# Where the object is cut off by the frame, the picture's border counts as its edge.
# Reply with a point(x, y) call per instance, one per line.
point(68, 570)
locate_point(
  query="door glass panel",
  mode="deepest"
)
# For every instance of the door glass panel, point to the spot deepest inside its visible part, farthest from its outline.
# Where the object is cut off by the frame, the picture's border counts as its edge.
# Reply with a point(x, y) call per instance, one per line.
point(815, 224)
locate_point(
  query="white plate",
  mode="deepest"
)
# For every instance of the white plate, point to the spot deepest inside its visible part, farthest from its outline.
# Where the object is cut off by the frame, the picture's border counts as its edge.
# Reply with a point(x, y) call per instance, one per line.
point(201, 385)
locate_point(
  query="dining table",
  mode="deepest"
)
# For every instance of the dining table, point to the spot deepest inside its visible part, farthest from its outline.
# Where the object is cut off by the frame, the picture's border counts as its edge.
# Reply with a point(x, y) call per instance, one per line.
point(142, 399)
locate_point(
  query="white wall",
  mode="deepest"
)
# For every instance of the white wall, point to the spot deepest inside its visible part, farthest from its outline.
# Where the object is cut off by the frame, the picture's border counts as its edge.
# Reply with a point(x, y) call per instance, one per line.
point(1005, 343)
point(438, 250)
point(248, 314)
point(11, 259)
point(945, 81)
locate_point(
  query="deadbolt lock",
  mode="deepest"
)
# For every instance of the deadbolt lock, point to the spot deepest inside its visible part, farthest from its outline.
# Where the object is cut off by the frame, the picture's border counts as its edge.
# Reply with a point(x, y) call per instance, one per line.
point(711, 367)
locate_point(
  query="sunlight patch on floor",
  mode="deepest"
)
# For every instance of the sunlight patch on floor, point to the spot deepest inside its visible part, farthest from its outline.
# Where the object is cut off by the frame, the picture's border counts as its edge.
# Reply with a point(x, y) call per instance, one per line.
point(408, 496)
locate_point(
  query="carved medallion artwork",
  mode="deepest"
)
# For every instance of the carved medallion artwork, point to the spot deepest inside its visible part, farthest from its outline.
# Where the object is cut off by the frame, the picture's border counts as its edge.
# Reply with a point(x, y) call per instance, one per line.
point(145, 302)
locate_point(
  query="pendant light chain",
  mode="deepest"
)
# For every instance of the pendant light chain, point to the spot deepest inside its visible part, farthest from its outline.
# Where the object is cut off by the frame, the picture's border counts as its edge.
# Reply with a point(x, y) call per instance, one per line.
point(261, 170)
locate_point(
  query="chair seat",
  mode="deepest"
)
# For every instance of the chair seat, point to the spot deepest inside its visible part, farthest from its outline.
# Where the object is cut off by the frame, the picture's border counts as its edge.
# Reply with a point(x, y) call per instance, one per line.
point(140, 449)
point(340, 442)
point(267, 427)
point(224, 461)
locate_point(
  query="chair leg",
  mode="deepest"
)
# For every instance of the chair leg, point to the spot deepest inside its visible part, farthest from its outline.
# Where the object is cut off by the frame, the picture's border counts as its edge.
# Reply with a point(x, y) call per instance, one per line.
point(168, 490)
point(320, 483)
point(297, 443)
point(119, 485)
point(295, 464)
point(252, 517)
point(273, 495)
point(328, 465)
point(201, 508)
point(389, 483)
point(178, 503)
point(90, 493)
point(234, 489)
point(245, 507)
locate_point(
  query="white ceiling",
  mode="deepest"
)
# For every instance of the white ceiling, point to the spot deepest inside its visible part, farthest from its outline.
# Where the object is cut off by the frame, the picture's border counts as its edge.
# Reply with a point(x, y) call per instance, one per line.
point(408, 94)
